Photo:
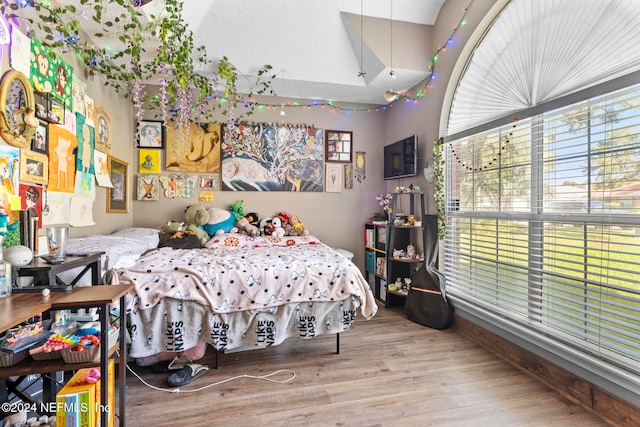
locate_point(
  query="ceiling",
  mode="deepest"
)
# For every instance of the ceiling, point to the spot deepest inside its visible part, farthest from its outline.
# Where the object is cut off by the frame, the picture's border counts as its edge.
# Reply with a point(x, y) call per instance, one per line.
point(315, 47)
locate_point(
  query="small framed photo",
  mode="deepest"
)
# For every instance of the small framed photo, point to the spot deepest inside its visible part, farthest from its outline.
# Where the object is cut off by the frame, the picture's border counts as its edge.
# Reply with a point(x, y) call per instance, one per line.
point(333, 179)
point(34, 167)
point(338, 146)
point(151, 134)
point(40, 143)
point(117, 196)
point(208, 182)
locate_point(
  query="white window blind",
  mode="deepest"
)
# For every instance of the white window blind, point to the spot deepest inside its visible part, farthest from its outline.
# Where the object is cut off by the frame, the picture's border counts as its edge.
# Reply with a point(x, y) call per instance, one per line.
point(543, 224)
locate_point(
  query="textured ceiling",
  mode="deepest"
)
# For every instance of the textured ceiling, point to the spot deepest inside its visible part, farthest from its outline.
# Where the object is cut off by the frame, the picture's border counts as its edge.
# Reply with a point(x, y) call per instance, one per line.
point(315, 47)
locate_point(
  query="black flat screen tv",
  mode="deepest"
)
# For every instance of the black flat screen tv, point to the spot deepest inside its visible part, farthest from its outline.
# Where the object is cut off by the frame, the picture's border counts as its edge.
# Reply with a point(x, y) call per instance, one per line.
point(401, 158)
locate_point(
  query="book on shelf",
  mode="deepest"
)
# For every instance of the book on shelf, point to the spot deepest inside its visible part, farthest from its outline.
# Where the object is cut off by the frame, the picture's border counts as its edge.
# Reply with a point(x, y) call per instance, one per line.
point(368, 237)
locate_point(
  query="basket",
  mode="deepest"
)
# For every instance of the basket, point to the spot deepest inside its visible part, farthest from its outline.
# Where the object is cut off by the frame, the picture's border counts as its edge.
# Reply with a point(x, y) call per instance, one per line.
point(47, 355)
point(10, 359)
point(89, 353)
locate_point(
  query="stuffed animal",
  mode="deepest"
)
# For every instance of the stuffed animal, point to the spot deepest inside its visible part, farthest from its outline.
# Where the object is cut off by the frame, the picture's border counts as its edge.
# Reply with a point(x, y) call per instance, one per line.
point(252, 217)
point(172, 227)
point(220, 221)
point(278, 231)
point(196, 217)
point(266, 226)
point(297, 226)
point(237, 209)
point(245, 226)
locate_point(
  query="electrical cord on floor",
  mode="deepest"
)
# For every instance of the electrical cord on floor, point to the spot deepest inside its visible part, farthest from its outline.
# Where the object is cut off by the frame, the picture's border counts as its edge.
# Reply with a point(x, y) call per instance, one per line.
point(266, 377)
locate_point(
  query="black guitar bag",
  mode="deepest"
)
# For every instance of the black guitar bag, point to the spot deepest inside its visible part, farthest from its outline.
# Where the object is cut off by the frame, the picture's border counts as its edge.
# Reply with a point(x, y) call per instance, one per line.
point(426, 302)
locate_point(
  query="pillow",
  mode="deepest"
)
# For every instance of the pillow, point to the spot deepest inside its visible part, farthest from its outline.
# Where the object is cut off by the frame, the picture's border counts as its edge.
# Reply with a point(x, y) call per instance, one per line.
point(292, 240)
point(179, 240)
point(147, 235)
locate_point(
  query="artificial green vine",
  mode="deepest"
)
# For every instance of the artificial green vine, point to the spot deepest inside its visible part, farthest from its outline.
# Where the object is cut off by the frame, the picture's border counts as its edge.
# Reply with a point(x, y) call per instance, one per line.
point(185, 94)
point(438, 173)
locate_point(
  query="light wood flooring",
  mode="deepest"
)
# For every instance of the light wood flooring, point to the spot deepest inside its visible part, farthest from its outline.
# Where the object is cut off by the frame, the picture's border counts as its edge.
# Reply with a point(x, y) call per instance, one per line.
point(390, 372)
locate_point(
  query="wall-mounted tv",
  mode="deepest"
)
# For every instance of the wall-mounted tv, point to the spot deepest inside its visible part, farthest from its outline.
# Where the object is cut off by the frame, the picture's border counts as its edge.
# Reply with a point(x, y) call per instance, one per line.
point(401, 158)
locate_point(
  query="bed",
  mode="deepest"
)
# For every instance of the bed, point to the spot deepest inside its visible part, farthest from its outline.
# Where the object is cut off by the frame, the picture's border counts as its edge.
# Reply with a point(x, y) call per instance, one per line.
point(241, 292)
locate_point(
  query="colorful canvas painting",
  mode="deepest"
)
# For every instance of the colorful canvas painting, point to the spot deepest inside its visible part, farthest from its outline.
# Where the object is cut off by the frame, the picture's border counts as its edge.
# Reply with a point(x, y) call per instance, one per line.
point(271, 157)
point(196, 149)
point(50, 74)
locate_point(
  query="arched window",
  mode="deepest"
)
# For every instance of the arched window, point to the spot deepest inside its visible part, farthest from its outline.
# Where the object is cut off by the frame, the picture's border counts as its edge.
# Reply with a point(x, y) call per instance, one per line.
point(543, 184)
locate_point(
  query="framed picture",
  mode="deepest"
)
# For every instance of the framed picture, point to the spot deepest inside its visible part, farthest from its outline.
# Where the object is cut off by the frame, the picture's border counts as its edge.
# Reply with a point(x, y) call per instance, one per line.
point(40, 143)
point(149, 161)
point(148, 188)
point(333, 178)
point(117, 196)
point(209, 182)
point(338, 146)
point(150, 134)
point(34, 167)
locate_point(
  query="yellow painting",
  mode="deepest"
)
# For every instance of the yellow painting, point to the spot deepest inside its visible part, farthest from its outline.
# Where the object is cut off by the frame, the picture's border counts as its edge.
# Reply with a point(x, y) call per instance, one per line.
point(149, 161)
point(196, 149)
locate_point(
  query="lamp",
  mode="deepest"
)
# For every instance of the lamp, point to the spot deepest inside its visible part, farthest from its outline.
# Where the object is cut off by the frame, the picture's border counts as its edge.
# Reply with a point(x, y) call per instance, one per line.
point(390, 96)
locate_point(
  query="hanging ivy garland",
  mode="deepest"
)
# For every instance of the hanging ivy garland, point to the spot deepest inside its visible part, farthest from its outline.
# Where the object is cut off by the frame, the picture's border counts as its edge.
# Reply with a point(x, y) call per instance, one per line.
point(184, 94)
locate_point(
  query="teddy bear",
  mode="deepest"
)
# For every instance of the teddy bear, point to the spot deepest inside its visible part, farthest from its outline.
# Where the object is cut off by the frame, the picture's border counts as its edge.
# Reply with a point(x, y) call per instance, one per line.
point(220, 221)
point(278, 230)
point(196, 217)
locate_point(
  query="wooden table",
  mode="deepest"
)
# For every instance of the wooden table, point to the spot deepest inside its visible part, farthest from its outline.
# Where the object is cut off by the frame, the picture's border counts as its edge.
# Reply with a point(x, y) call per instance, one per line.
point(19, 307)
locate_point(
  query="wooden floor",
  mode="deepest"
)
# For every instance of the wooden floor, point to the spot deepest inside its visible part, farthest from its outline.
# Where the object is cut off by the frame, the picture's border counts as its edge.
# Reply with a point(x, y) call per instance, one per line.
point(390, 372)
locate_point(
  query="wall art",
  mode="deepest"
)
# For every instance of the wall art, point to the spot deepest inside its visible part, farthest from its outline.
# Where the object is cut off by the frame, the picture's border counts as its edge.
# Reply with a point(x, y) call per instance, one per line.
point(62, 165)
point(85, 135)
point(271, 157)
point(196, 149)
point(338, 146)
point(149, 161)
point(148, 188)
point(333, 178)
point(118, 196)
point(102, 125)
point(34, 167)
point(40, 141)
point(150, 134)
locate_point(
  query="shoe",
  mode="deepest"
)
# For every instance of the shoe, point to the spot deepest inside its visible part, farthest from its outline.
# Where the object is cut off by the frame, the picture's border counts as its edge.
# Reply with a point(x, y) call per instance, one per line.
point(187, 374)
point(169, 365)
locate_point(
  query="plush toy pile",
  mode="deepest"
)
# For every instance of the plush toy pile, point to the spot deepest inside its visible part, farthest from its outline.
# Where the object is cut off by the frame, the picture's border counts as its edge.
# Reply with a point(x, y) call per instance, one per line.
point(201, 224)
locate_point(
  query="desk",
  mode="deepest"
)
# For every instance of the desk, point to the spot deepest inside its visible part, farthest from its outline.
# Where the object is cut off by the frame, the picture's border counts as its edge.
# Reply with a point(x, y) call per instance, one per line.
point(45, 275)
point(20, 307)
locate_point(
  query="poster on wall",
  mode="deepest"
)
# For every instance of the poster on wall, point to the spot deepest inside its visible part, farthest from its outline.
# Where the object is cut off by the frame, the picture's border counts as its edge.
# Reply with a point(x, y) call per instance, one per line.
point(50, 74)
point(31, 196)
point(9, 170)
point(101, 168)
point(271, 157)
point(102, 128)
point(59, 205)
point(85, 135)
point(196, 149)
point(78, 92)
point(81, 204)
point(62, 165)
point(20, 51)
